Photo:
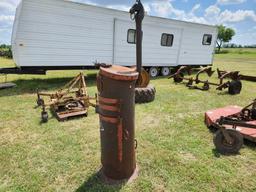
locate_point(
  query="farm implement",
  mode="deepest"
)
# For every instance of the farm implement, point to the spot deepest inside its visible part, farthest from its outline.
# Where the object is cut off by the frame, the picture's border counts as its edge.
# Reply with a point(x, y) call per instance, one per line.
point(5, 84)
point(234, 124)
point(241, 77)
point(70, 101)
point(234, 86)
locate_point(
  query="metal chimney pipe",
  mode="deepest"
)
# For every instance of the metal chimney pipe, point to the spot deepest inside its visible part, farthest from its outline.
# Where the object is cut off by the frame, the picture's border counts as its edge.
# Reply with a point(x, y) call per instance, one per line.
point(137, 12)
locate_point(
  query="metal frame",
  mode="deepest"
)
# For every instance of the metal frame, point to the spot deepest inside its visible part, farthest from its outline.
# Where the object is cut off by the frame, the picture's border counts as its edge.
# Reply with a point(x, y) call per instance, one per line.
point(241, 119)
point(242, 77)
point(72, 100)
point(179, 77)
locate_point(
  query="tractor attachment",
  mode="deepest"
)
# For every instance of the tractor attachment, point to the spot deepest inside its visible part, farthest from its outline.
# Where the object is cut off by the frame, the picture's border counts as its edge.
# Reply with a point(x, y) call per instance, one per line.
point(241, 77)
point(70, 101)
point(234, 86)
point(5, 84)
point(233, 123)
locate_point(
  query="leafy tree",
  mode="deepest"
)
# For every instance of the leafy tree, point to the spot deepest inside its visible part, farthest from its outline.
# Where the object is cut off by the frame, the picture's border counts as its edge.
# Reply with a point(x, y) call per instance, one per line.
point(5, 51)
point(224, 35)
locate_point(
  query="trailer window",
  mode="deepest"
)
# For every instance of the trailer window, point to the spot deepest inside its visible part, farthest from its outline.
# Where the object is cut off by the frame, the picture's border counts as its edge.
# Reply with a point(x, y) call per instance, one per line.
point(207, 39)
point(131, 36)
point(167, 40)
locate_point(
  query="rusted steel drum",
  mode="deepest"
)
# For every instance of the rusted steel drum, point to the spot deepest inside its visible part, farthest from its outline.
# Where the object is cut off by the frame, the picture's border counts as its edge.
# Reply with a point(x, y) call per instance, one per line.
point(116, 105)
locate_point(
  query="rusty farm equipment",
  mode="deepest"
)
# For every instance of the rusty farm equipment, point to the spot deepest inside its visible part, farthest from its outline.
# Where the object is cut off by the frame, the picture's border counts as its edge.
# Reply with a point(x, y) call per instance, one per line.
point(234, 124)
point(5, 84)
point(241, 77)
point(70, 101)
point(234, 86)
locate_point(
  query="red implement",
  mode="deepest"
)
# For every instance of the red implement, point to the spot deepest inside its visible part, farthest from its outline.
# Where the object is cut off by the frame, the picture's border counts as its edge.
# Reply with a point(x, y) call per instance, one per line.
point(213, 115)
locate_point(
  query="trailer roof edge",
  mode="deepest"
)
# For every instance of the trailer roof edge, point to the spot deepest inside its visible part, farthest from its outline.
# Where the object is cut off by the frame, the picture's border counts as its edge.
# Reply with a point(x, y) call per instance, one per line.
point(163, 18)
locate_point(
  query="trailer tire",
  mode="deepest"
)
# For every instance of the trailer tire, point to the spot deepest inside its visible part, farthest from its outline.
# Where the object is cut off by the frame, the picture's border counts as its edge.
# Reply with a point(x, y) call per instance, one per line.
point(153, 72)
point(165, 71)
point(145, 95)
point(225, 148)
point(235, 87)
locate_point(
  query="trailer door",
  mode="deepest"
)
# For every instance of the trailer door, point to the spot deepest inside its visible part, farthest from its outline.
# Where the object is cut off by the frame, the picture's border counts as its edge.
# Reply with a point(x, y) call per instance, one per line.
point(197, 47)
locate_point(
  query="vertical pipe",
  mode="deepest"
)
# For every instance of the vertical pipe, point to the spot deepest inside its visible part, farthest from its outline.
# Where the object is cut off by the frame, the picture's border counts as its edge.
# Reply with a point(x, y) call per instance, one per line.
point(114, 41)
point(139, 44)
point(138, 11)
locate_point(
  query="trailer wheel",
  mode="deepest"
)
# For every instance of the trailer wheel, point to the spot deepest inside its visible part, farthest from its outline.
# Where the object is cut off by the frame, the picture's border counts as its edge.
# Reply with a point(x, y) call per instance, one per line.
point(165, 71)
point(145, 95)
point(178, 78)
point(153, 72)
point(44, 116)
point(235, 87)
point(223, 146)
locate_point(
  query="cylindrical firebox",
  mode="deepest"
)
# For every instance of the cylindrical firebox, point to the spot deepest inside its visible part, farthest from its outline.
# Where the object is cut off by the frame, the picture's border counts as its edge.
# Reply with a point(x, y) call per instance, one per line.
point(116, 107)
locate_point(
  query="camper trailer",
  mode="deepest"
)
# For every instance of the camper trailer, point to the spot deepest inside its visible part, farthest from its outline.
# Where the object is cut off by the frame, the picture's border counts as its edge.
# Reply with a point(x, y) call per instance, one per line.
point(58, 35)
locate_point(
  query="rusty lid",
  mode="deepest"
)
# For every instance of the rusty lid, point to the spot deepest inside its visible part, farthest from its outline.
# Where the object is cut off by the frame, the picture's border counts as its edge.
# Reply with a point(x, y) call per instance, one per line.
point(119, 73)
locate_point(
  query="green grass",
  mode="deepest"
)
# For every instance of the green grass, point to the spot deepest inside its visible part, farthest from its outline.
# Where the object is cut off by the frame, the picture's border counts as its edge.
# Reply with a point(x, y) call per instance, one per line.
point(175, 150)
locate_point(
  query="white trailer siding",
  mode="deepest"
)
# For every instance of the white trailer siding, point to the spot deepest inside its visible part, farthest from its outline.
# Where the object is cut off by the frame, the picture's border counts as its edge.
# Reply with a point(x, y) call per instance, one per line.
point(193, 52)
point(153, 53)
point(54, 33)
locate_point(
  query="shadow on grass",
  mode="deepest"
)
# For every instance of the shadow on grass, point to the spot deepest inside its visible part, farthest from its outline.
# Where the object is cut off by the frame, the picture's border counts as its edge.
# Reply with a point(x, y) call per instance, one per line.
point(30, 86)
point(95, 184)
point(218, 154)
point(250, 144)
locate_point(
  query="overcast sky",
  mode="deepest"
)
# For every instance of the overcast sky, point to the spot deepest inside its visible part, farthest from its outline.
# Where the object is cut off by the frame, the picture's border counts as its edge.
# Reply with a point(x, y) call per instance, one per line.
point(238, 14)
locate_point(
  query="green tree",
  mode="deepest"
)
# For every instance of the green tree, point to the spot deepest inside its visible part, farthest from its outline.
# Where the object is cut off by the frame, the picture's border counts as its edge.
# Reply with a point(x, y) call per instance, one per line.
point(224, 35)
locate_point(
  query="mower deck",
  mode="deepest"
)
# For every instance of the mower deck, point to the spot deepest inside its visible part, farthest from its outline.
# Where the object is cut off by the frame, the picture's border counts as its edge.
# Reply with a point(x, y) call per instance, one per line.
point(63, 114)
point(213, 115)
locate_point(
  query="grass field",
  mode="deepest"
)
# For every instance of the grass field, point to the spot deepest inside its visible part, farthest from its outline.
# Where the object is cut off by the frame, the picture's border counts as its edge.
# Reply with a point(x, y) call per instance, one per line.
point(175, 150)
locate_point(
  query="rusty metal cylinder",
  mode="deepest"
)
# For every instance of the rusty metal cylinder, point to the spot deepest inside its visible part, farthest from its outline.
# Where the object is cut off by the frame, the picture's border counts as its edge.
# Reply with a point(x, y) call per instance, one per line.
point(116, 106)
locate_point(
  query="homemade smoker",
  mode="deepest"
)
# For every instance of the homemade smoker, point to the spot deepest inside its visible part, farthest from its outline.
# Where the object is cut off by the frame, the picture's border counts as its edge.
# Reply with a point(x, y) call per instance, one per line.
point(116, 107)
point(233, 123)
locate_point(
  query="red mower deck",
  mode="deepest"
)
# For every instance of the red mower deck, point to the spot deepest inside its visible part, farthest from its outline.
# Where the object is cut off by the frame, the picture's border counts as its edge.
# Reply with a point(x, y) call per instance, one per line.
point(213, 115)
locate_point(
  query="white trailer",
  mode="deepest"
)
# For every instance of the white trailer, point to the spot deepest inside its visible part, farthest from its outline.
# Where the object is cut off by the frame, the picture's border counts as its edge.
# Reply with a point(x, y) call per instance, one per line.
point(58, 34)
